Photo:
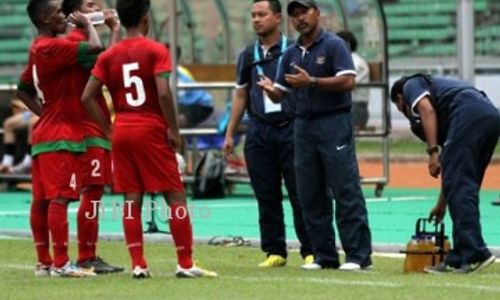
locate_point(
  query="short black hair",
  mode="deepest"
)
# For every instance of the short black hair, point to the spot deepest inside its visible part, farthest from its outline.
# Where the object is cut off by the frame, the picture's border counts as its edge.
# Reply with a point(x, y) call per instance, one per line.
point(397, 88)
point(70, 6)
point(36, 9)
point(275, 5)
point(349, 37)
point(131, 12)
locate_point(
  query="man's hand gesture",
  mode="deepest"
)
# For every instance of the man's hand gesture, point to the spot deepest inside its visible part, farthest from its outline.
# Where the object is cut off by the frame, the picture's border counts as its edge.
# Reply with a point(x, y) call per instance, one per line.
point(299, 79)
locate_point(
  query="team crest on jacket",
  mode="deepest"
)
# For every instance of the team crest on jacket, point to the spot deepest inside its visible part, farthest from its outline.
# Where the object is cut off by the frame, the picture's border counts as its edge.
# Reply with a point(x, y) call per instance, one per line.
point(320, 59)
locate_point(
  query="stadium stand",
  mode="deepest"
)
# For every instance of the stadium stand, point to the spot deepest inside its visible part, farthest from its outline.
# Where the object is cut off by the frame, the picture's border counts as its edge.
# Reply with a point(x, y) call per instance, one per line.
point(15, 38)
point(427, 28)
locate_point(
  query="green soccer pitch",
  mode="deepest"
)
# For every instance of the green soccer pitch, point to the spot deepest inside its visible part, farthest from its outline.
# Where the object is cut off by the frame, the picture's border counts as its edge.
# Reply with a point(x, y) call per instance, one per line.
point(239, 278)
point(392, 220)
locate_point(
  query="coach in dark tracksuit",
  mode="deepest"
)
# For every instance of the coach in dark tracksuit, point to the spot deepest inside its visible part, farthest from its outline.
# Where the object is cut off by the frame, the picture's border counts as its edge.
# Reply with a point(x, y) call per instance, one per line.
point(319, 72)
point(269, 148)
point(464, 122)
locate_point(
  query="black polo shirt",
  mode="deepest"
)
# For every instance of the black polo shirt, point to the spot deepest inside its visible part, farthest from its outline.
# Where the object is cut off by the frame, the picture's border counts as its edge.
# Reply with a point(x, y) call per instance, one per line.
point(247, 78)
point(328, 56)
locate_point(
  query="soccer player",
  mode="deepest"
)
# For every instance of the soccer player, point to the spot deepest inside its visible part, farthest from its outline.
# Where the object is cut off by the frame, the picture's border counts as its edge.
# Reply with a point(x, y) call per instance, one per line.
point(46, 88)
point(145, 134)
point(95, 163)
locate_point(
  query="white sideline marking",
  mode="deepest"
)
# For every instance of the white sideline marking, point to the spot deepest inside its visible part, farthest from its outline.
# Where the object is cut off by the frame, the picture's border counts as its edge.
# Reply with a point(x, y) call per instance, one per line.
point(399, 199)
point(14, 213)
point(315, 280)
point(465, 286)
point(322, 280)
point(389, 255)
point(17, 267)
point(27, 212)
point(385, 284)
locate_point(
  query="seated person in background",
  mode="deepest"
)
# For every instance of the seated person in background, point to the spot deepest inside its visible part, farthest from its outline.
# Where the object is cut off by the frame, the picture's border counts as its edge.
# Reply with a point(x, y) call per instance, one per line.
point(21, 118)
point(360, 96)
point(194, 105)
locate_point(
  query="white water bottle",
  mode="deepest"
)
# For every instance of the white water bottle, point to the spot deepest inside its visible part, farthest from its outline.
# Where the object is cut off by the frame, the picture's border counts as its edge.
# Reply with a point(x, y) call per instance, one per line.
point(96, 18)
point(99, 17)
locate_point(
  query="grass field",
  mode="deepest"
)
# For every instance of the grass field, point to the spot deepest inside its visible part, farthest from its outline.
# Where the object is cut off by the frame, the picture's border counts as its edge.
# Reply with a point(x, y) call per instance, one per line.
point(239, 278)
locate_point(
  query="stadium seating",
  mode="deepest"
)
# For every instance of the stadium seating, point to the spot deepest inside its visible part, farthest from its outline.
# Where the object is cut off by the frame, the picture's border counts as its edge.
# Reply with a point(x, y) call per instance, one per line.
point(15, 38)
point(427, 28)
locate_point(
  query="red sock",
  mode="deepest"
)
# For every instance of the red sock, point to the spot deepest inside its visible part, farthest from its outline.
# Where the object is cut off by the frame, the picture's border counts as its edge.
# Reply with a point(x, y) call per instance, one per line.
point(182, 233)
point(132, 226)
point(40, 230)
point(58, 226)
point(87, 219)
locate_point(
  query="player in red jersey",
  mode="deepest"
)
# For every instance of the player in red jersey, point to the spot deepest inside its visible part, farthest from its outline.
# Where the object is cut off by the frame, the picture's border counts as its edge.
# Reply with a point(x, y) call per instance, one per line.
point(145, 134)
point(45, 87)
point(95, 163)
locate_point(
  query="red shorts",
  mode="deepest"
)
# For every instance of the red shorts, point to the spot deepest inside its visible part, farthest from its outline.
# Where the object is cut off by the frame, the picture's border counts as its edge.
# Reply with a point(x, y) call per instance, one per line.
point(143, 161)
point(95, 167)
point(55, 176)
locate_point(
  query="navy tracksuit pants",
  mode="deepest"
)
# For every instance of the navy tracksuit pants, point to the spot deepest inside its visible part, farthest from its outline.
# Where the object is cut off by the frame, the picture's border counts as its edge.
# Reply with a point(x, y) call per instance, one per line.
point(327, 169)
point(474, 129)
point(269, 153)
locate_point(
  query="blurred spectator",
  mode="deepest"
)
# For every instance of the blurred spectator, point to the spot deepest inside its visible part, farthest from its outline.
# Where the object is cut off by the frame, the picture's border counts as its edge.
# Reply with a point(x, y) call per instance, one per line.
point(21, 118)
point(360, 96)
point(194, 105)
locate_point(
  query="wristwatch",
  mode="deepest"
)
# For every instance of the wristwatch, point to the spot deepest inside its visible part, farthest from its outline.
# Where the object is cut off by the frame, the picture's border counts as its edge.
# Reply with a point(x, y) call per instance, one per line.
point(313, 81)
point(431, 150)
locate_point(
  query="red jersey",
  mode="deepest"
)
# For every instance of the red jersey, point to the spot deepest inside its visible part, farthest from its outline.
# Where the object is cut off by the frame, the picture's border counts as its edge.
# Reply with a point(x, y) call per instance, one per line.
point(51, 63)
point(94, 136)
point(128, 69)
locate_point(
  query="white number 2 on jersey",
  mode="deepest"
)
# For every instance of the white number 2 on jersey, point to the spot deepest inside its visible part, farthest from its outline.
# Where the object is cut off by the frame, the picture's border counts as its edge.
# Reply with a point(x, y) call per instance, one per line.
point(129, 80)
point(96, 168)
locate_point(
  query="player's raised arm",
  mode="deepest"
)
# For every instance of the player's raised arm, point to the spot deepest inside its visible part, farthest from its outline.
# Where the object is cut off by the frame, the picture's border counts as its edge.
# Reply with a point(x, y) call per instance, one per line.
point(113, 24)
point(94, 42)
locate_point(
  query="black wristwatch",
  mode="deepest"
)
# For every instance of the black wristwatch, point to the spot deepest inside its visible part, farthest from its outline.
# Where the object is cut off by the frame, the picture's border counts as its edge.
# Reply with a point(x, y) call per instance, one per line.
point(431, 150)
point(313, 81)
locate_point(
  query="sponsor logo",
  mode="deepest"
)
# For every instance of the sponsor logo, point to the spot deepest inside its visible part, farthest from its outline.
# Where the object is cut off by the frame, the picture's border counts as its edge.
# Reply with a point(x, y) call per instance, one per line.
point(320, 60)
point(341, 147)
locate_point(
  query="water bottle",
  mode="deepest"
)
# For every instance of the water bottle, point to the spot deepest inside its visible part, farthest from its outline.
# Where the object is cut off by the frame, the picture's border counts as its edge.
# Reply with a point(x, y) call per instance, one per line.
point(96, 18)
point(99, 17)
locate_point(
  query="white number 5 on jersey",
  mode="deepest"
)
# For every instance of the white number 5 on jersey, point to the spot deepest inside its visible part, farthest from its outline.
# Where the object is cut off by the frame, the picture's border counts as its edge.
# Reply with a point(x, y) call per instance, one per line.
point(129, 80)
